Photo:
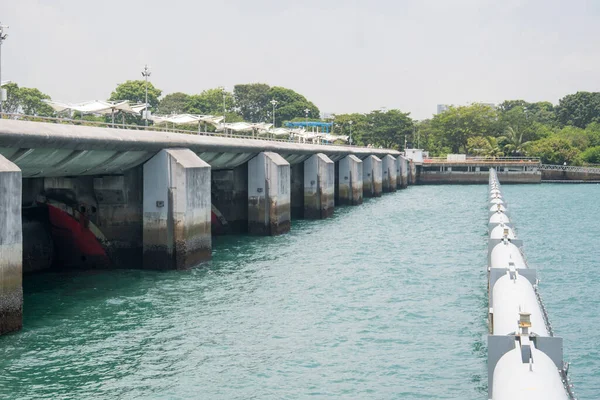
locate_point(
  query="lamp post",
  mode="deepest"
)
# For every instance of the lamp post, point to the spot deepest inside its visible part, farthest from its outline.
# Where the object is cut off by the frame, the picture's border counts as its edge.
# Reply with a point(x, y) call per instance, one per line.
point(350, 140)
point(224, 97)
point(306, 111)
point(3, 37)
point(146, 73)
point(274, 102)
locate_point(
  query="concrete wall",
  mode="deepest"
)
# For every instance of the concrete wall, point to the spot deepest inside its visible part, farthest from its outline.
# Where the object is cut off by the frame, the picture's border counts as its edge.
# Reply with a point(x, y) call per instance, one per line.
point(372, 176)
point(177, 210)
point(475, 178)
point(11, 248)
point(297, 190)
point(120, 216)
point(319, 181)
point(230, 196)
point(388, 165)
point(268, 194)
point(556, 175)
point(349, 181)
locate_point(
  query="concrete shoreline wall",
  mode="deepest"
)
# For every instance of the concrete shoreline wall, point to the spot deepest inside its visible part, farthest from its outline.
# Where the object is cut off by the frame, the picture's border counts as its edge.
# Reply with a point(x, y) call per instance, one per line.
point(472, 173)
point(558, 175)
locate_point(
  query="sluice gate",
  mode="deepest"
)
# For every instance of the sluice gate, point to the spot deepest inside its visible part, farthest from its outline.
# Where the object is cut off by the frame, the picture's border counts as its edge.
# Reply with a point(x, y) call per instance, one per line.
point(525, 359)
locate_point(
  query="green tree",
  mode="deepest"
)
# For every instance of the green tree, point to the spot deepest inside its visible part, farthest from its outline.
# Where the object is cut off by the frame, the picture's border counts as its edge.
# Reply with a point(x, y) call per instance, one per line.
point(359, 127)
point(135, 92)
point(513, 142)
point(252, 101)
point(554, 150)
point(13, 101)
point(455, 126)
point(477, 145)
point(27, 101)
point(290, 105)
point(389, 129)
point(173, 103)
point(492, 148)
point(579, 109)
point(211, 102)
point(30, 101)
point(591, 155)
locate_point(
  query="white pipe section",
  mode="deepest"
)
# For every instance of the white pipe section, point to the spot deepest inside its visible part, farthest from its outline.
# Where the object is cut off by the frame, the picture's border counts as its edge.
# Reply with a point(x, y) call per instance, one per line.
point(497, 200)
point(511, 296)
point(515, 380)
point(498, 207)
point(506, 253)
point(498, 232)
point(499, 218)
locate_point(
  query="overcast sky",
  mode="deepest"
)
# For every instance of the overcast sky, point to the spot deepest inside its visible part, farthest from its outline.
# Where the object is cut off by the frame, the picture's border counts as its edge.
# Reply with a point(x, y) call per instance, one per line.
point(344, 55)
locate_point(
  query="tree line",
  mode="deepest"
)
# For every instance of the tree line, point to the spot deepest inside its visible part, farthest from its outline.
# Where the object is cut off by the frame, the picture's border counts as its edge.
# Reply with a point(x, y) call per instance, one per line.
point(568, 132)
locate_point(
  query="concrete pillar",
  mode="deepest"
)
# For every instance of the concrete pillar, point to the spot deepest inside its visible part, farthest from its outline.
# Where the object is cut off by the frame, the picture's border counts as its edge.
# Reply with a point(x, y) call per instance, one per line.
point(397, 162)
point(319, 180)
point(350, 183)
point(229, 194)
point(403, 178)
point(388, 165)
point(412, 173)
point(11, 248)
point(297, 190)
point(177, 210)
point(372, 177)
point(268, 194)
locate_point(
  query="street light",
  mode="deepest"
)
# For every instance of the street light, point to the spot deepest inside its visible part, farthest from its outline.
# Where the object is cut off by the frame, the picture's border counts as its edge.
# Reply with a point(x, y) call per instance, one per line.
point(224, 96)
point(274, 102)
point(350, 140)
point(306, 111)
point(3, 37)
point(146, 73)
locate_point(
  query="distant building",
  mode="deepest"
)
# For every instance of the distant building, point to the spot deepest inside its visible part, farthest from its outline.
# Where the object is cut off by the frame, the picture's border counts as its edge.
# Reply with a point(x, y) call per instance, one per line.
point(442, 107)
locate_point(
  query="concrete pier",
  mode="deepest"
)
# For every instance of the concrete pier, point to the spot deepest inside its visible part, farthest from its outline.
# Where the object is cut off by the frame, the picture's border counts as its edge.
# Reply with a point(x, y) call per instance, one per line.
point(177, 210)
point(268, 194)
point(372, 177)
point(350, 183)
point(319, 189)
point(404, 172)
point(11, 248)
point(412, 173)
point(388, 165)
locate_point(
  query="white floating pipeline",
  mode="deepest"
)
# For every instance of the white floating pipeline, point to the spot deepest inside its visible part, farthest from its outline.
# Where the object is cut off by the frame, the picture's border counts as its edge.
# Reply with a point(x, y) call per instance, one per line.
point(525, 359)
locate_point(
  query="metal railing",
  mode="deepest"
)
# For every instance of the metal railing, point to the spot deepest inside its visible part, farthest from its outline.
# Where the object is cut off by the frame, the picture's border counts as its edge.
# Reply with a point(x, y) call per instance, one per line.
point(595, 169)
point(83, 122)
point(485, 160)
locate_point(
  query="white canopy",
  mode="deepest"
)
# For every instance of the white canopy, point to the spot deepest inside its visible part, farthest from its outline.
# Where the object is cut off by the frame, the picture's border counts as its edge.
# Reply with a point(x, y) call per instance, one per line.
point(96, 107)
point(244, 127)
point(179, 119)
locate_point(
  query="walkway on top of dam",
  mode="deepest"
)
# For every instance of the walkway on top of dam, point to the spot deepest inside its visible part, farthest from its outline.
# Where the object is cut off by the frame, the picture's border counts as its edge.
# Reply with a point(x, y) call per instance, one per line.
point(45, 149)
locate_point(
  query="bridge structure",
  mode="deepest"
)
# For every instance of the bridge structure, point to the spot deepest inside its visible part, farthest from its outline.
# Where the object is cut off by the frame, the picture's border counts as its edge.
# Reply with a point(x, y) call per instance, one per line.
point(100, 197)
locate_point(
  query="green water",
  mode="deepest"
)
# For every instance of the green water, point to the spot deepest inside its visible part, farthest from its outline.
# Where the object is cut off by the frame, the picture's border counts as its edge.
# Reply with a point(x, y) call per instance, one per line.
point(383, 301)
